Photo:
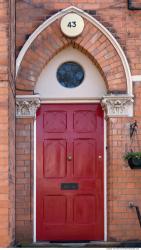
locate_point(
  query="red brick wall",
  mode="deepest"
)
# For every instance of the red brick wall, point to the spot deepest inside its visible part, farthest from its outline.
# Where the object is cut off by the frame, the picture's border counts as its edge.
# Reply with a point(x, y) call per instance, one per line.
point(11, 119)
point(124, 24)
point(4, 183)
point(91, 42)
point(24, 179)
point(7, 131)
point(110, 13)
point(123, 183)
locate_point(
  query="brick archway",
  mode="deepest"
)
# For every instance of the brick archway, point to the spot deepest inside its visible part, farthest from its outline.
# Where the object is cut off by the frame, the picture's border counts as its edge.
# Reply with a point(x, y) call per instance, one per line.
point(92, 42)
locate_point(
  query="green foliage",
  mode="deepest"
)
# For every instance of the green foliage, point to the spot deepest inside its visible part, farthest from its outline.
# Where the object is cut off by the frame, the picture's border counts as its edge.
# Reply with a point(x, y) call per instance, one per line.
point(129, 155)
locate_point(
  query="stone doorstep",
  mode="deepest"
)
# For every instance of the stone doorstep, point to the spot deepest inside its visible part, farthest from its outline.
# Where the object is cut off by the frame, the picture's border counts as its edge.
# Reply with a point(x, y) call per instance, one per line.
point(90, 244)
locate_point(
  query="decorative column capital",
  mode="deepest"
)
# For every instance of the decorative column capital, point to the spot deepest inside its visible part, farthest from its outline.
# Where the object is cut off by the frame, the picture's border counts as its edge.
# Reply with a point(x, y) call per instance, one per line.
point(118, 105)
point(26, 105)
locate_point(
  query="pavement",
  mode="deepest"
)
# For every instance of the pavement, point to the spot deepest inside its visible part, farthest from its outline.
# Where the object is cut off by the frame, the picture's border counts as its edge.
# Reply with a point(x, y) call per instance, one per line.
point(91, 244)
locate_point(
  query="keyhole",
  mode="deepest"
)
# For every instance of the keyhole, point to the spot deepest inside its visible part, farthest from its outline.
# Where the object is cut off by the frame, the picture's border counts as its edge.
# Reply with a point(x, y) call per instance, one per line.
point(69, 157)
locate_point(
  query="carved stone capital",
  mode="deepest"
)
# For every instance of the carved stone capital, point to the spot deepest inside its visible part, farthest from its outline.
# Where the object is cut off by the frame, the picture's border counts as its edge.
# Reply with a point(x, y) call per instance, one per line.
point(26, 106)
point(118, 105)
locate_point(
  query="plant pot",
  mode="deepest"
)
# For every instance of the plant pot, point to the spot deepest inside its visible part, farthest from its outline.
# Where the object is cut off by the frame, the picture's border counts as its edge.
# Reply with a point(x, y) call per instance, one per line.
point(134, 163)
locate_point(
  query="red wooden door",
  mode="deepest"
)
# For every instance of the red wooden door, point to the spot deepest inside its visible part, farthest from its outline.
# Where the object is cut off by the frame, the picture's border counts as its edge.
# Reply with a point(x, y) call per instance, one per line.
point(70, 172)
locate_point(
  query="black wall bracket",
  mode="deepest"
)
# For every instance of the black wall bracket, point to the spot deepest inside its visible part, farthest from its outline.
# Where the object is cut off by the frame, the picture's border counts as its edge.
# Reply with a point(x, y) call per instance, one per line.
point(132, 205)
point(133, 129)
point(132, 7)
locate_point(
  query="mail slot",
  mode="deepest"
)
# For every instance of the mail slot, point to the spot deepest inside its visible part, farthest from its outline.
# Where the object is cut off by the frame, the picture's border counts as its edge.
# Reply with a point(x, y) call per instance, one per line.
point(69, 186)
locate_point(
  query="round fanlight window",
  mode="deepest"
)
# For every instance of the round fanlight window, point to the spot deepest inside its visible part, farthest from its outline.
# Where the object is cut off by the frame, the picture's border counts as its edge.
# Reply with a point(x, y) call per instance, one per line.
point(70, 74)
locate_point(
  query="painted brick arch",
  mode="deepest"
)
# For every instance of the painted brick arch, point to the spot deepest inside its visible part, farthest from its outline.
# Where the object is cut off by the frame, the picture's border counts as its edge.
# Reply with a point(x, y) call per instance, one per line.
point(92, 42)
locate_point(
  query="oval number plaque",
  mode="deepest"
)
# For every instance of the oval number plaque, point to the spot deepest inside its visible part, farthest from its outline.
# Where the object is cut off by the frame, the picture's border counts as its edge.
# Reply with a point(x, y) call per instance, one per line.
point(72, 25)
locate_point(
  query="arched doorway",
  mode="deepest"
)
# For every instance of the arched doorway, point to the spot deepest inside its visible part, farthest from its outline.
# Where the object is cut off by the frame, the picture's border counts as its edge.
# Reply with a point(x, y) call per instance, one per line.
point(70, 150)
point(98, 45)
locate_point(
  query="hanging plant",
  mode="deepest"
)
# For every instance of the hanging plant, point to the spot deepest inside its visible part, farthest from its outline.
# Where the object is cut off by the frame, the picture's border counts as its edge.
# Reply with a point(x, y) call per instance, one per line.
point(134, 159)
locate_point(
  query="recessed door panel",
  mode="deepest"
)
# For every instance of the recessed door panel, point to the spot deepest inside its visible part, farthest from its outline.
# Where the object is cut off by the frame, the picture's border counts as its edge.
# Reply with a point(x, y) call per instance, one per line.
point(55, 121)
point(53, 203)
point(54, 158)
point(84, 158)
point(84, 209)
point(70, 201)
point(84, 121)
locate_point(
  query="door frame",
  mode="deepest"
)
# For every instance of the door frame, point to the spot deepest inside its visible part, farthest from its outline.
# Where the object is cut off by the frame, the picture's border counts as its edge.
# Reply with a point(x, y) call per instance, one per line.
point(67, 101)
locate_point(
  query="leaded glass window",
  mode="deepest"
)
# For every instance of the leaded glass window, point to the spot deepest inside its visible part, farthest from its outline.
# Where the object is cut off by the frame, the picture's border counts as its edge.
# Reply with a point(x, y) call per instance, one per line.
point(70, 74)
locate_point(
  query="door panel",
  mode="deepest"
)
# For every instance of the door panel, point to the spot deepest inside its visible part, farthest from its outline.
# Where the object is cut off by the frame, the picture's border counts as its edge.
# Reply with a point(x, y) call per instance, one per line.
point(54, 158)
point(70, 172)
point(84, 209)
point(51, 205)
point(55, 121)
point(84, 158)
point(84, 121)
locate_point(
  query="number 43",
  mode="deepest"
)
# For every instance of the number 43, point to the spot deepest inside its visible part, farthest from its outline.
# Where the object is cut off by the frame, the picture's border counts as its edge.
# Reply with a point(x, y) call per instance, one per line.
point(71, 24)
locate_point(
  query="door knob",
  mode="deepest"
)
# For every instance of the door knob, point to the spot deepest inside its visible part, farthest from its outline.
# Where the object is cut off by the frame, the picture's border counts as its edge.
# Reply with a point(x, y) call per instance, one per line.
point(69, 157)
